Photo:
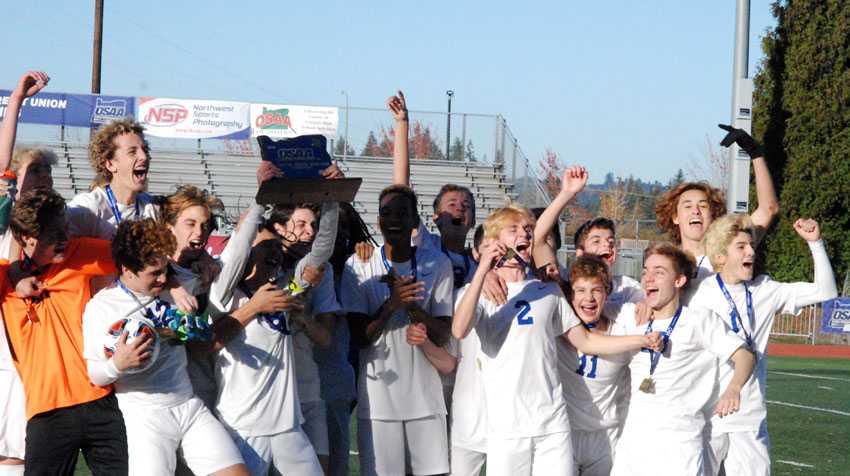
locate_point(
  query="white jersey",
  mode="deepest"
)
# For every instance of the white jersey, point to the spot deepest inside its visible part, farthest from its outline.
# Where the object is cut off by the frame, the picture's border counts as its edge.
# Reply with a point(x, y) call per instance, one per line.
point(594, 387)
point(166, 383)
point(768, 298)
point(686, 373)
point(321, 300)
point(397, 381)
point(519, 359)
point(704, 269)
point(90, 214)
point(623, 289)
point(463, 266)
point(469, 409)
point(255, 376)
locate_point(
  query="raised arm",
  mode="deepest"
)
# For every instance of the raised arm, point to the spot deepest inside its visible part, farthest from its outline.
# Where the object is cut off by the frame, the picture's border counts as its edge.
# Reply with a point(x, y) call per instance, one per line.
point(28, 86)
point(573, 182)
point(601, 344)
point(823, 287)
point(465, 310)
point(401, 158)
point(768, 203)
point(730, 401)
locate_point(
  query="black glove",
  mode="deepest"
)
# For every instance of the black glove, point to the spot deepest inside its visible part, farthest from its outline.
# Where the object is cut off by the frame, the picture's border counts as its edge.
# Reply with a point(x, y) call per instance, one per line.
point(744, 141)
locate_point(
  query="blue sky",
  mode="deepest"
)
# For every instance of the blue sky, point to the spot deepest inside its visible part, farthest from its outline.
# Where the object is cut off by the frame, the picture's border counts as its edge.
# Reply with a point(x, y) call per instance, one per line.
point(624, 86)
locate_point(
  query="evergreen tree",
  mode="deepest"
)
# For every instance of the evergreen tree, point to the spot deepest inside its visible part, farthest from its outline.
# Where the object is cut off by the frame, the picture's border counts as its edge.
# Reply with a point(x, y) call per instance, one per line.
point(342, 148)
point(456, 151)
point(801, 116)
point(470, 152)
point(371, 148)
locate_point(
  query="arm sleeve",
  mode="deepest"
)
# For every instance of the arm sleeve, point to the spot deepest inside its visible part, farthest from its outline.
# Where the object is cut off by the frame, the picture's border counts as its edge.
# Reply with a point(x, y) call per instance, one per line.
point(82, 221)
point(92, 257)
point(566, 318)
point(102, 371)
point(796, 296)
point(234, 258)
point(441, 296)
point(323, 245)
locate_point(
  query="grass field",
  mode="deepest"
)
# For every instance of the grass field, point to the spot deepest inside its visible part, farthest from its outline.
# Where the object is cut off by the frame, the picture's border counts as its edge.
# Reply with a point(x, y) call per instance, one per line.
point(808, 417)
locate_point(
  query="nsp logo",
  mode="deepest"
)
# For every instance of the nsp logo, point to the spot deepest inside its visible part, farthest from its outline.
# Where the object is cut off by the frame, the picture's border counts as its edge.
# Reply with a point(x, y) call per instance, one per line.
point(166, 115)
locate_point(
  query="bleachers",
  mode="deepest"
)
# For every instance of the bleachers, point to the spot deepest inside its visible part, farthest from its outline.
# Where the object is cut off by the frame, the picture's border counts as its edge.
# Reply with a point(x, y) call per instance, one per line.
point(232, 178)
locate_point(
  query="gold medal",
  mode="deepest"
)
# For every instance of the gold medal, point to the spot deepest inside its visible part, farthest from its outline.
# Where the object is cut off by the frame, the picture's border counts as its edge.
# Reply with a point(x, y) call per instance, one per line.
point(647, 386)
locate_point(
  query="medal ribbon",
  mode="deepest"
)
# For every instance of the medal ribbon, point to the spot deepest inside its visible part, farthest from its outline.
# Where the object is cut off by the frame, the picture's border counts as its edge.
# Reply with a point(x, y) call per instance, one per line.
point(113, 204)
point(146, 311)
point(654, 357)
point(412, 262)
point(734, 315)
point(459, 279)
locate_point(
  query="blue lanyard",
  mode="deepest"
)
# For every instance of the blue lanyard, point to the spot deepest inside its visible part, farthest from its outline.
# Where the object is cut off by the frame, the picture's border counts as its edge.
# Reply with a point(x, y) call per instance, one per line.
point(459, 279)
point(412, 261)
point(696, 270)
point(113, 204)
point(654, 357)
point(734, 315)
point(147, 310)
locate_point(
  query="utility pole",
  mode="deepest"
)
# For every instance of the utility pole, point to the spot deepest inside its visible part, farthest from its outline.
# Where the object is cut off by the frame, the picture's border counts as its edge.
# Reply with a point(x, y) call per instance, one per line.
point(449, 93)
point(738, 193)
point(98, 46)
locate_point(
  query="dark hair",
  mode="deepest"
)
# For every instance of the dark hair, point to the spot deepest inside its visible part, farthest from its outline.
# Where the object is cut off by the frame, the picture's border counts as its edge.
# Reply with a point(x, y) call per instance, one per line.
point(478, 236)
point(450, 187)
point(281, 214)
point(35, 212)
point(138, 243)
point(585, 228)
point(683, 262)
point(556, 232)
point(405, 192)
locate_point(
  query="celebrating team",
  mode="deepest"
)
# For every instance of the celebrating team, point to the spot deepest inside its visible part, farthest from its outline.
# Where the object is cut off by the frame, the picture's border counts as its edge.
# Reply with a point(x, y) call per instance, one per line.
point(125, 340)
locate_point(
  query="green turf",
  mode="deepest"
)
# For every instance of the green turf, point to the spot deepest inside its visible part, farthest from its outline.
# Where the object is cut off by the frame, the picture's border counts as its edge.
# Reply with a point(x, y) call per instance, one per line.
point(811, 437)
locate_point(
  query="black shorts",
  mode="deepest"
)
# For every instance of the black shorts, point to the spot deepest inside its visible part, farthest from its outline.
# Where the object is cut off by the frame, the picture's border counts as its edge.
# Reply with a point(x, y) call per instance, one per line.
point(55, 438)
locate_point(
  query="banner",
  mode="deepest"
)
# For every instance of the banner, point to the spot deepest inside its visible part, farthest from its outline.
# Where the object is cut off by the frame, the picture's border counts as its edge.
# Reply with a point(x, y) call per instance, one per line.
point(194, 119)
point(72, 110)
point(283, 121)
point(836, 316)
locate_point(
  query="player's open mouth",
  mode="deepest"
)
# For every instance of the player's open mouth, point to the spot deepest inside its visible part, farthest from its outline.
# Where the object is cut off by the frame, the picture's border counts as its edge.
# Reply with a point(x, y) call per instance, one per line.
point(457, 221)
point(196, 244)
point(59, 248)
point(521, 247)
point(589, 309)
point(747, 265)
point(651, 292)
point(140, 174)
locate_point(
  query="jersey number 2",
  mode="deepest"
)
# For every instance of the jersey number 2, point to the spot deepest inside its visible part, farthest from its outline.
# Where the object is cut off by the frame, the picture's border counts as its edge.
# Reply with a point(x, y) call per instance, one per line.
point(582, 365)
point(523, 319)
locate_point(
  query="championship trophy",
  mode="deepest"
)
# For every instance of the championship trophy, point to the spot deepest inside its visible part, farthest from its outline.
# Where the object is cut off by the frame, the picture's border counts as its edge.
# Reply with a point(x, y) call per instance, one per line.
point(302, 159)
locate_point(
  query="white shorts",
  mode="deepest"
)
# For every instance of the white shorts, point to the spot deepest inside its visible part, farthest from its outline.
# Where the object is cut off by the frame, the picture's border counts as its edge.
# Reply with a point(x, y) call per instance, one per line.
point(288, 453)
point(593, 451)
point(637, 453)
point(532, 456)
point(154, 434)
point(740, 452)
point(399, 447)
point(316, 426)
point(466, 462)
point(13, 418)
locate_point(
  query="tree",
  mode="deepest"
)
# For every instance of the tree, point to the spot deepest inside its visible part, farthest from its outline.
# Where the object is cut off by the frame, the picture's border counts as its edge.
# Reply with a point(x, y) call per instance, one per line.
point(802, 89)
point(677, 179)
point(371, 148)
point(343, 148)
point(470, 152)
point(552, 169)
point(712, 166)
point(456, 151)
point(422, 143)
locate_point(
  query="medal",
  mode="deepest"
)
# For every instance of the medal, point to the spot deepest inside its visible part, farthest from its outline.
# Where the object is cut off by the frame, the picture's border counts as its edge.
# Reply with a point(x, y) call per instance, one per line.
point(647, 386)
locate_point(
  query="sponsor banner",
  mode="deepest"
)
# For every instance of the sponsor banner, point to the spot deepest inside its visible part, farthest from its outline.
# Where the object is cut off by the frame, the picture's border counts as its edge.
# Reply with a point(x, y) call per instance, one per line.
point(836, 316)
point(194, 119)
point(72, 110)
point(285, 121)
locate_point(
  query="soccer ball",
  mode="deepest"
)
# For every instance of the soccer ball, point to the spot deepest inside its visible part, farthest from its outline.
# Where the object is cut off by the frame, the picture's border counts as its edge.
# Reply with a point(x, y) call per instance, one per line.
point(135, 327)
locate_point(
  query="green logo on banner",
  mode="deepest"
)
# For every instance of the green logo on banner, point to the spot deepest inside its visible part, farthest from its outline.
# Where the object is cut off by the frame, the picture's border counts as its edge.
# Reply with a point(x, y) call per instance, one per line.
point(274, 119)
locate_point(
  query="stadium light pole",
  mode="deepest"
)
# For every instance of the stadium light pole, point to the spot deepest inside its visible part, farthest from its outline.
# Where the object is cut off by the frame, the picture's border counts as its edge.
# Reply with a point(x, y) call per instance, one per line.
point(345, 146)
point(738, 187)
point(449, 93)
point(97, 47)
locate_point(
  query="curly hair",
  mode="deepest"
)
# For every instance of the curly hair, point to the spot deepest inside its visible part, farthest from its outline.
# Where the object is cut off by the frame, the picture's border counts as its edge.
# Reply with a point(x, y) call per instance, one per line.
point(597, 223)
point(683, 262)
point(102, 147)
point(187, 196)
point(722, 232)
point(138, 243)
point(665, 207)
point(590, 267)
point(38, 210)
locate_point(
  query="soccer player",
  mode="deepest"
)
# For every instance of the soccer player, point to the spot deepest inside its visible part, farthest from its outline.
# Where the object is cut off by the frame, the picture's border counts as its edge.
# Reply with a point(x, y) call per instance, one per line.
point(160, 410)
point(528, 427)
point(740, 442)
point(595, 387)
point(46, 336)
point(671, 389)
point(32, 168)
point(687, 210)
point(400, 405)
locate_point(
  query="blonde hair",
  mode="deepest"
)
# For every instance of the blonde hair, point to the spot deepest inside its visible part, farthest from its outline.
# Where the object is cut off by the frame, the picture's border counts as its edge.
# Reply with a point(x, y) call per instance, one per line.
point(24, 156)
point(722, 232)
point(102, 147)
point(502, 216)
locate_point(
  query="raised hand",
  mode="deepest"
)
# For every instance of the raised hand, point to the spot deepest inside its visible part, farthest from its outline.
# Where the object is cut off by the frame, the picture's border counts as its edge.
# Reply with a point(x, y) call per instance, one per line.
point(184, 300)
point(808, 229)
point(743, 139)
point(267, 171)
point(333, 172)
point(132, 355)
point(269, 299)
point(30, 84)
point(313, 275)
point(574, 180)
point(398, 106)
point(491, 251)
point(364, 250)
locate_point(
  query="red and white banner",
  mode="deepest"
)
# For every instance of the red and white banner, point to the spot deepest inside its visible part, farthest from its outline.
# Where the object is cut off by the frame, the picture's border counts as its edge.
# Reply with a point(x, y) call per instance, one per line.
point(194, 119)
